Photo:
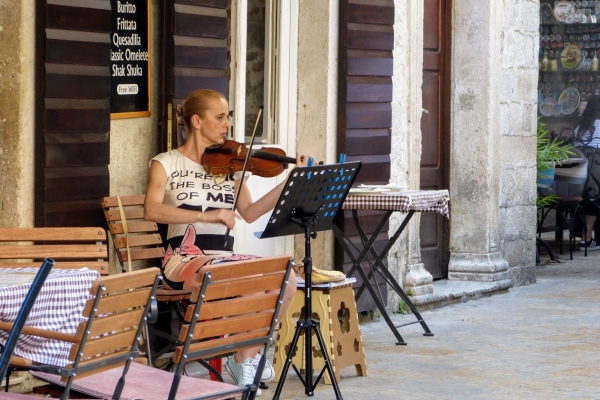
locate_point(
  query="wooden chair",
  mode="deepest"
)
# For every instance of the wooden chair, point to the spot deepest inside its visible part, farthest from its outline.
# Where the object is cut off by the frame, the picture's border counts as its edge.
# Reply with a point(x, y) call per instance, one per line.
point(234, 307)
point(136, 239)
point(108, 336)
point(19, 324)
point(69, 247)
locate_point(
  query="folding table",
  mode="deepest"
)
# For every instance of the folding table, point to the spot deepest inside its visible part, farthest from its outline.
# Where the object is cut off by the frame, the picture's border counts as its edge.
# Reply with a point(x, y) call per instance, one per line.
point(406, 201)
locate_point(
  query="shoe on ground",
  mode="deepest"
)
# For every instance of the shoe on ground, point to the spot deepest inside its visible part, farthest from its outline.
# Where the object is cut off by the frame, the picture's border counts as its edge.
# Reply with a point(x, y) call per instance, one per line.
point(242, 373)
point(268, 373)
point(591, 245)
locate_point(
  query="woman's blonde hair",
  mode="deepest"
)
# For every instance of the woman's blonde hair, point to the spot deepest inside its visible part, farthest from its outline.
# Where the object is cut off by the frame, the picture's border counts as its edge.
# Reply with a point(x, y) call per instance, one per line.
point(198, 102)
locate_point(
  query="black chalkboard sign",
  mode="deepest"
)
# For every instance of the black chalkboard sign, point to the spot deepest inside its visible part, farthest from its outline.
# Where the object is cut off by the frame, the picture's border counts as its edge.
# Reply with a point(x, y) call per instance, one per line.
point(130, 58)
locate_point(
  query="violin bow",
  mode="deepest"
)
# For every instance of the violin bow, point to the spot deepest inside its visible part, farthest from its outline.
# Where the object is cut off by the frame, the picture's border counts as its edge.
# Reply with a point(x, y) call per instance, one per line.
point(237, 195)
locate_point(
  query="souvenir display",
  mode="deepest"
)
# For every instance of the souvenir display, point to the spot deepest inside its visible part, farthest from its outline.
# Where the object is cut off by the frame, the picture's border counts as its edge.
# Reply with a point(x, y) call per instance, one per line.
point(569, 50)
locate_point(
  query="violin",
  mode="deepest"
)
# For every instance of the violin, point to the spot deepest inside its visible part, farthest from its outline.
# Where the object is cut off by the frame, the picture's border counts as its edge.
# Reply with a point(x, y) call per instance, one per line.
point(228, 158)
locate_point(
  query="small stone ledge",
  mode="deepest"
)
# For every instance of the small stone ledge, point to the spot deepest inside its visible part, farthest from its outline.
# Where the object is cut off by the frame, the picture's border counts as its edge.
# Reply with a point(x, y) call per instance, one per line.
point(447, 292)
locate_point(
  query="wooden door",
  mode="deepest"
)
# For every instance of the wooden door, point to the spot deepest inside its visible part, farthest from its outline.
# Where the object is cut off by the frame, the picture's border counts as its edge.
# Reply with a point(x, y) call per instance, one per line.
point(365, 110)
point(434, 128)
point(72, 111)
point(194, 57)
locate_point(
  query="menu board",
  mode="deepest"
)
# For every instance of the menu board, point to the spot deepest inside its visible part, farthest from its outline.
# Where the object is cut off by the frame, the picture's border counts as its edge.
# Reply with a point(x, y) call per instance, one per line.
point(130, 58)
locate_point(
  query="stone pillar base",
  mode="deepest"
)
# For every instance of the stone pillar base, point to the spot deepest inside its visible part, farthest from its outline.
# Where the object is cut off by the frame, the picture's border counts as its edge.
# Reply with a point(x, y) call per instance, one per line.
point(477, 267)
point(418, 281)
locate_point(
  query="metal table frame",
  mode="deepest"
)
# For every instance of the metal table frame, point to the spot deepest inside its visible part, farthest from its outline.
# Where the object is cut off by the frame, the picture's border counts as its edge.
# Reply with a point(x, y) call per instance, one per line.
point(377, 266)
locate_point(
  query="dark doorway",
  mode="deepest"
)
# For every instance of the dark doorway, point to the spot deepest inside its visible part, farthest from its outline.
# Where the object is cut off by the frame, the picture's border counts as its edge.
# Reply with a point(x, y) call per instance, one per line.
point(434, 128)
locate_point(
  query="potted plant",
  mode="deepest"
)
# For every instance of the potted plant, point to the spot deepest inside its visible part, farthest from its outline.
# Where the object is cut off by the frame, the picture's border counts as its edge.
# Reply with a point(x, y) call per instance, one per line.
point(550, 152)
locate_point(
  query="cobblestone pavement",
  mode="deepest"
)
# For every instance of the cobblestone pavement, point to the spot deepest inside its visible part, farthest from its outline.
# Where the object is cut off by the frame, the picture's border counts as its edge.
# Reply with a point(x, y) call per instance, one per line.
point(535, 342)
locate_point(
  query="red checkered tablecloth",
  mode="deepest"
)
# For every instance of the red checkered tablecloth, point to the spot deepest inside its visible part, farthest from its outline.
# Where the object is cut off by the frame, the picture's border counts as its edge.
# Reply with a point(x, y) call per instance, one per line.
point(58, 307)
point(425, 201)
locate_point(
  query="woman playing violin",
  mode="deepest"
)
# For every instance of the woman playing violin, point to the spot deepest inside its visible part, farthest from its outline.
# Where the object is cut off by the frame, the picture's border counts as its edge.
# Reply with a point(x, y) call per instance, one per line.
point(199, 210)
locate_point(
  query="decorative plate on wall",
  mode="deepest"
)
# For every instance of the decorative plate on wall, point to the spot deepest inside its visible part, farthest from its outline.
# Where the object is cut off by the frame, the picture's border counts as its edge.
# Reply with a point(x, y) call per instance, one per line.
point(571, 56)
point(548, 106)
point(562, 10)
point(568, 100)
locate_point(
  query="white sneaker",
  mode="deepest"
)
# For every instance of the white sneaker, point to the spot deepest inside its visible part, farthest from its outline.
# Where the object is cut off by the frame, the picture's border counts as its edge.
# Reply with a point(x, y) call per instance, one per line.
point(242, 373)
point(268, 373)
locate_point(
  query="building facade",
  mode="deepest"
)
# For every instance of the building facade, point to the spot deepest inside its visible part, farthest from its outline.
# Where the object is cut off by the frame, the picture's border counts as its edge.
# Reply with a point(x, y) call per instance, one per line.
point(472, 63)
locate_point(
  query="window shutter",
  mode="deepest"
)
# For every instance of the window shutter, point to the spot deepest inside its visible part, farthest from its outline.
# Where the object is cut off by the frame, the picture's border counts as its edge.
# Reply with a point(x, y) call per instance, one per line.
point(195, 43)
point(73, 111)
point(365, 110)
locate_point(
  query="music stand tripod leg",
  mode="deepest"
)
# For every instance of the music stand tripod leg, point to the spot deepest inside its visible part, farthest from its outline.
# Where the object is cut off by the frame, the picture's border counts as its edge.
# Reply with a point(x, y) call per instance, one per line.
point(308, 324)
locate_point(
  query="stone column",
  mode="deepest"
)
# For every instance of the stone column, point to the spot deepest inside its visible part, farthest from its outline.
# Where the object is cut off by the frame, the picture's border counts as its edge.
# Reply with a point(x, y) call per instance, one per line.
point(474, 188)
point(17, 112)
point(404, 261)
point(318, 25)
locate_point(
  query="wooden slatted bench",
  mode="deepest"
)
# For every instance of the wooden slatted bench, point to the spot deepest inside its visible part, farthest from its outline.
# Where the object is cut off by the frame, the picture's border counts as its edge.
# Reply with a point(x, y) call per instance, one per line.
point(71, 248)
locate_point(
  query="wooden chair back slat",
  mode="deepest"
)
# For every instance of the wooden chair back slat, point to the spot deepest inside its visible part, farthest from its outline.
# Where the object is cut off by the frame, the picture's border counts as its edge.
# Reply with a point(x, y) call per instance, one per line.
point(112, 201)
point(257, 266)
point(253, 267)
point(206, 345)
point(116, 228)
point(130, 213)
point(231, 307)
point(117, 302)
point(104, 344)
point(139, 240)
point(77, 234)
point(122, 282)
point(142, 254)
point(232, 288)
point(111, 323)
point(221, 327)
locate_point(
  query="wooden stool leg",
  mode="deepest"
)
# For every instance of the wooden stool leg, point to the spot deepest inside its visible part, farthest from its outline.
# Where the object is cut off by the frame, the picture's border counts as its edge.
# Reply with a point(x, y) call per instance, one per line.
point(348, 343)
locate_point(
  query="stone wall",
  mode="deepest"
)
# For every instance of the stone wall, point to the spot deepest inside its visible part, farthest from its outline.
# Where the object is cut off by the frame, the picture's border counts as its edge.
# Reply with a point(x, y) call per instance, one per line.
point(516, 143)
point(492, 173)
point(17, 118)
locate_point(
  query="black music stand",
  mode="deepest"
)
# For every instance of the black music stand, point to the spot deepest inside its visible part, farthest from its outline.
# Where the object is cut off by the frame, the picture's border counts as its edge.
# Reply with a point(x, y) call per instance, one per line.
point(310, 200)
